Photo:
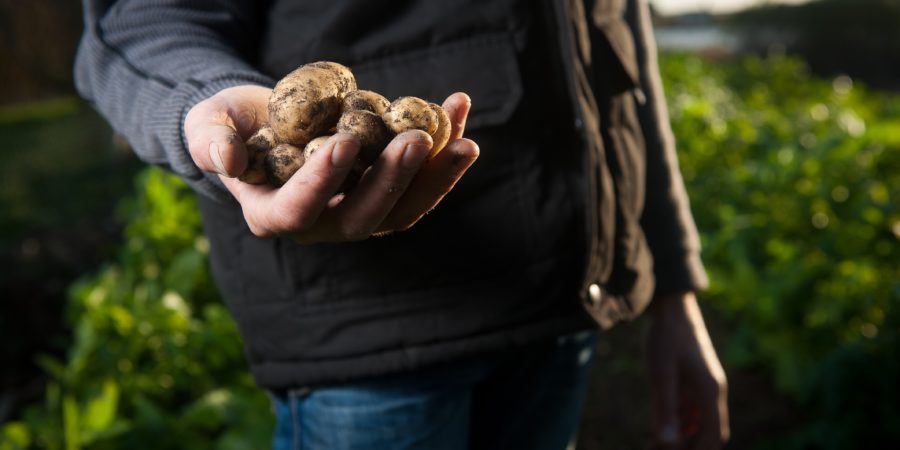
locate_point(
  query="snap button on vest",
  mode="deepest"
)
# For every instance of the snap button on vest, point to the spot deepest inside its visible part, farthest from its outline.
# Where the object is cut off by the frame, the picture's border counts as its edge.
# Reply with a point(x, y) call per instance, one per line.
point(639, 96)
point(595, 294)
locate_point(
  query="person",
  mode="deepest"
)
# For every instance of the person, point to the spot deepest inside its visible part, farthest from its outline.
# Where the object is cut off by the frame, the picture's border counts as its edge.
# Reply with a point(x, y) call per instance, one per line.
point(441, 303)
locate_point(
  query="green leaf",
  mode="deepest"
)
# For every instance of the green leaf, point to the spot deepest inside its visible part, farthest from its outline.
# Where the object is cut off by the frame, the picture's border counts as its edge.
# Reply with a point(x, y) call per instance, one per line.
point(111, 431)
point(85, 343)
point(210, 411)
point(148, 413)
point(14, 436)
point(101, 410)
point(181, 275)
point(71, 423)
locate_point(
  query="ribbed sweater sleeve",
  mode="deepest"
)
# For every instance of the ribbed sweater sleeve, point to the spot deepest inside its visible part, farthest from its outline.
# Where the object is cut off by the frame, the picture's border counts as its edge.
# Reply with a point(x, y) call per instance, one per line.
point(144, 64)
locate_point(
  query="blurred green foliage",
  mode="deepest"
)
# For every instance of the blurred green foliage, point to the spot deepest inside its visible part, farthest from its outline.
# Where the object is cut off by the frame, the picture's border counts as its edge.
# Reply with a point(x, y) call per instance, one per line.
point(795, 185)
point(794, 182)
point(156, 361)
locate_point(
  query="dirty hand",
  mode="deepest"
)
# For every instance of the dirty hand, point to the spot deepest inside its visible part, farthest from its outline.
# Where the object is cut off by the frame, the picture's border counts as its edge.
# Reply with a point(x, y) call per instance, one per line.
point(399, 188)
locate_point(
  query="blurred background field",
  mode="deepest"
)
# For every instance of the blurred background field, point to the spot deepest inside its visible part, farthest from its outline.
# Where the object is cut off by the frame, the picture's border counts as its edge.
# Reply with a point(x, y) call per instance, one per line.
point(788, 123)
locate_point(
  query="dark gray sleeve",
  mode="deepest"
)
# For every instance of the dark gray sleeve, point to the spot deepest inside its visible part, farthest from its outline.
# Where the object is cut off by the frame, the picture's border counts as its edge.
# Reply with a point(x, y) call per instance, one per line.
point(667, 219)
point(144, 64)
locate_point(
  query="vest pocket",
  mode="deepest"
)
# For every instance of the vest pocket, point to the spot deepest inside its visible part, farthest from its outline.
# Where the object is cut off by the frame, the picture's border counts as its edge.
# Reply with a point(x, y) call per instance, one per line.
point(482, 231)
point(484, 67)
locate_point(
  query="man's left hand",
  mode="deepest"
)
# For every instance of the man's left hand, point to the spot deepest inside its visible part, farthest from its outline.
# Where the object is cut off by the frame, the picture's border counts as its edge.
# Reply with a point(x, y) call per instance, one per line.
point(688, 384)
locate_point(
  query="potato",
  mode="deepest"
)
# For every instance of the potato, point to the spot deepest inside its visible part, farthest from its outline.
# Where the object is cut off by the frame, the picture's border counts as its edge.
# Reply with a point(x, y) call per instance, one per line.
point(282, 162)
point(441, 135)
point(356, 172)
point(343, 76)
point(322, 98)
point(257, 147)
point(313, 145)
point(366, 101)
point(371, 131)
point(410, 113)
point(307, 102)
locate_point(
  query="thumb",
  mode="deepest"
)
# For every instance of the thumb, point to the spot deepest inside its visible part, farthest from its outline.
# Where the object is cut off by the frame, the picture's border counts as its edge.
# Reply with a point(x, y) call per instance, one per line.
point(218, 149)
point(215, 128)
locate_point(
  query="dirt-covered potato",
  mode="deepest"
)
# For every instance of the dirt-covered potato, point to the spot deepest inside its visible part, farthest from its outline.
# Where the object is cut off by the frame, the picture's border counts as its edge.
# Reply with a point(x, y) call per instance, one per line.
point(313, 145)
point(307, 102)
point(321, 98)
point(371, 131)
point(366, 101)
point(343, 76)
point(410, 113)
point(441, 135)
point(356, 172)
point(257, 147)
point(282, 162)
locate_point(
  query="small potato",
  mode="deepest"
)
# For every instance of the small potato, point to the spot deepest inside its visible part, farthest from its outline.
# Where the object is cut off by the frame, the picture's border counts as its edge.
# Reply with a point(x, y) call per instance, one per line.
point(371, 131)
point(410, 113)
point(307, 102)
point(441, 135)
point(312, 146)
point(366, 101)
point(356, 172)
point(257, 147)
point(282, 162)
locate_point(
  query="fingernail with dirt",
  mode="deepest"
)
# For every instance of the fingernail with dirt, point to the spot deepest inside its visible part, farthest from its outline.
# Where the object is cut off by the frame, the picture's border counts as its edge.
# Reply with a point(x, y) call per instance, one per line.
point(343, 155)
point(215, 154)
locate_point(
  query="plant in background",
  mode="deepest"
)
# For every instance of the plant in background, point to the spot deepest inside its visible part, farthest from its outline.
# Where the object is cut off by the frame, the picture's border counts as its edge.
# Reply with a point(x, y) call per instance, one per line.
point(795, 183)
point(156, 361)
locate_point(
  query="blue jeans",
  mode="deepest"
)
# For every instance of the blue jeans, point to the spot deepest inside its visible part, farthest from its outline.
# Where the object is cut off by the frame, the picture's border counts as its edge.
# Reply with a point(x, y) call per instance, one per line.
point(527, 399)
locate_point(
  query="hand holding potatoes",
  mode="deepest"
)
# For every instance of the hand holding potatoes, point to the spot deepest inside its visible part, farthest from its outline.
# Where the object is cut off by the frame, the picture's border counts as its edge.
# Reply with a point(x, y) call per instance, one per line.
point(315, 204)
point(320, 98)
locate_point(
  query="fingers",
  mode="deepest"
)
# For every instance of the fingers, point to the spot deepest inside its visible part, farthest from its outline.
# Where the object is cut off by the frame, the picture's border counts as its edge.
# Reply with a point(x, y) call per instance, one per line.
point(363, 210)
point(439, 175)
point(457, 106)
point(664, 397)
point(431, 184)
point(215, 129)
point(295, 208)
point(705, 435)
point(215, 146)
point(724, 419)
point(392, 194)
point(710, 412)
